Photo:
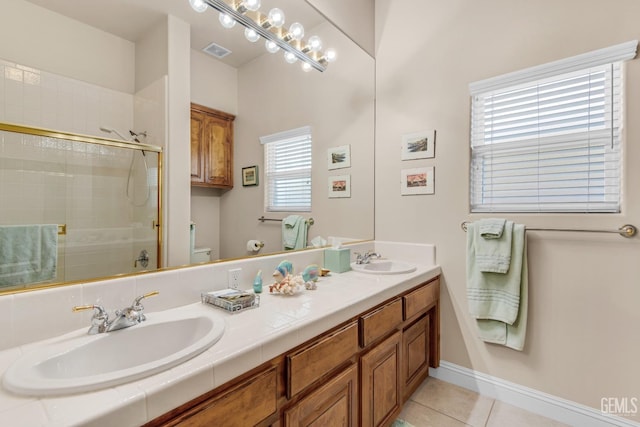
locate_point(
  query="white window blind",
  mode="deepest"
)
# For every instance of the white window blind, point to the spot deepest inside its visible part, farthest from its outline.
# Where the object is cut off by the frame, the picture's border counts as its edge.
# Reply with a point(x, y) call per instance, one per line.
point(287, 162)
point(548, 139)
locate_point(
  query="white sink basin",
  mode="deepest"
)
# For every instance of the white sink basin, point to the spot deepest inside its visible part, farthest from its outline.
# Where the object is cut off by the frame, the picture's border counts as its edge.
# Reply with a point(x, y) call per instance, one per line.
point(384, 266)
point(89, 362)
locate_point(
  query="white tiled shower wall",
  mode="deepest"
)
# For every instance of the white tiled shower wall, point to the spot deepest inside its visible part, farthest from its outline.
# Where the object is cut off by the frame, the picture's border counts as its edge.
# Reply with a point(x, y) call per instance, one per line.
point(38, 98)
point(81, 185)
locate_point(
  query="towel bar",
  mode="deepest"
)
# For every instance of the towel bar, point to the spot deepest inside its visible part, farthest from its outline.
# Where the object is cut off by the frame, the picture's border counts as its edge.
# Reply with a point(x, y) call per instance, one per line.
point(309, 221)
point(626, 230)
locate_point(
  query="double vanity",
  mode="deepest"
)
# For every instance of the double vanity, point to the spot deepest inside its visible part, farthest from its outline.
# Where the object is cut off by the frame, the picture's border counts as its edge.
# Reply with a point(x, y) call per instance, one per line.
point(354, 349)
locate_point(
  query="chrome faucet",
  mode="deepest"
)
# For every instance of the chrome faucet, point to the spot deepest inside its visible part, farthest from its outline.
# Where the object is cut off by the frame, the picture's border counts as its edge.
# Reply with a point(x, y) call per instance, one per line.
point(364, 259)
point(130, 316)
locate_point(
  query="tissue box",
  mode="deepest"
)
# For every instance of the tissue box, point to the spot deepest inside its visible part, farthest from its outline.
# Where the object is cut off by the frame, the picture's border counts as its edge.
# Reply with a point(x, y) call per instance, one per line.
point(337, 260)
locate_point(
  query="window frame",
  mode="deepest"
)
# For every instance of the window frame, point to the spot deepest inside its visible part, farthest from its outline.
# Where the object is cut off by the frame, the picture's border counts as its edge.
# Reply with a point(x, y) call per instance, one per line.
point(288, 172)
point(482, 149)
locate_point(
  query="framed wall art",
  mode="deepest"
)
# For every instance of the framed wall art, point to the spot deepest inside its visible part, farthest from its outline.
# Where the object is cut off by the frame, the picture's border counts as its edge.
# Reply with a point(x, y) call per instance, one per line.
point(250, 176)
point(339, 186)
point(419, 145)
point(417, 181)
point(339, 157)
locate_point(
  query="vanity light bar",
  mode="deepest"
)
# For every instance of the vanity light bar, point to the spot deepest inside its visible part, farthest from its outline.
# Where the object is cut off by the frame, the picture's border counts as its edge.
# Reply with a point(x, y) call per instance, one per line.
point(266, 33)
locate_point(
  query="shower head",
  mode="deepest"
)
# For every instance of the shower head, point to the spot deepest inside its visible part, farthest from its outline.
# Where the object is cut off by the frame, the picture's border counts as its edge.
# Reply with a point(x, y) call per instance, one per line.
point(112, 130)
point(135, 135)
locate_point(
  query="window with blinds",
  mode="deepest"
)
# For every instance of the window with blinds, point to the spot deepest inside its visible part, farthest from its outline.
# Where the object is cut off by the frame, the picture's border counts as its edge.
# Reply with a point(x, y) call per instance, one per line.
point(548, 139)
point(287, 163)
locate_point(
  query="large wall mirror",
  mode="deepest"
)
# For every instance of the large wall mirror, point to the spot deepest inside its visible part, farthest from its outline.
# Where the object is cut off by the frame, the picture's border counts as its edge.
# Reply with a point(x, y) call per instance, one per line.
point(266, 94)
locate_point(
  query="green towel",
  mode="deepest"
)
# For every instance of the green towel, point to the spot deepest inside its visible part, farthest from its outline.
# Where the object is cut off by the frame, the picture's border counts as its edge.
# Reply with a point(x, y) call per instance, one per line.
point(492, 254)
point(492, 228)
point(294, 232)
point(499, 302)
point(28, 253)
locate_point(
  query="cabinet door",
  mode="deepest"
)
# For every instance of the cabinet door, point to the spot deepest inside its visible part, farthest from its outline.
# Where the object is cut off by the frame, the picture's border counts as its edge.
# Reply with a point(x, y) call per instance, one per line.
point(415, 355)
point(333, 404)
point(379, 379)
point(211, 147)
point(197, 152)
point(218, 152)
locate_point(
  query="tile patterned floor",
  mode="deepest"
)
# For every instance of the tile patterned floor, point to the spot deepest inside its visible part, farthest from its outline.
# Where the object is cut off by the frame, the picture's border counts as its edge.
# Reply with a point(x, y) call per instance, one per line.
point(439, 404)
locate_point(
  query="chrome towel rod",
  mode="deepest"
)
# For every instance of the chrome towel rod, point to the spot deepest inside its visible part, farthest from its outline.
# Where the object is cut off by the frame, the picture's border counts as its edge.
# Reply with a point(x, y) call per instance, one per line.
point(309, 221)
point(626, 230)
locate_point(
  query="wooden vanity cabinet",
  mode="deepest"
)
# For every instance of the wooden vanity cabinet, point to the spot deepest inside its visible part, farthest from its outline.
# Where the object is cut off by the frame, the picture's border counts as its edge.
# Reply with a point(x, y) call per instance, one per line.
point(211, 148)
point(415, 351)
point(333, 404)
point(359, 373)
point(249, 402)
point(316, 360)
point(380, 397)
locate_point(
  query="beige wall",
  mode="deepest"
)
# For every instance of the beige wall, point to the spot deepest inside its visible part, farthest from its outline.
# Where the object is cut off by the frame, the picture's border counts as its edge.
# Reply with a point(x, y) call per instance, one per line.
point(353, 17)
point(215, 85)
point(582, 339)
point(274, 96)
point(64, 46)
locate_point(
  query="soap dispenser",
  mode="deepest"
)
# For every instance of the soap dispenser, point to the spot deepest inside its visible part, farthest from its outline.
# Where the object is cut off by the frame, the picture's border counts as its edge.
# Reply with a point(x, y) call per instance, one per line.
point(257, 283)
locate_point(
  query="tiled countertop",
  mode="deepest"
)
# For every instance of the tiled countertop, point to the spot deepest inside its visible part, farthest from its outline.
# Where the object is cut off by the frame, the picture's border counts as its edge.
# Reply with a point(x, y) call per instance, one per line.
point(251, 338)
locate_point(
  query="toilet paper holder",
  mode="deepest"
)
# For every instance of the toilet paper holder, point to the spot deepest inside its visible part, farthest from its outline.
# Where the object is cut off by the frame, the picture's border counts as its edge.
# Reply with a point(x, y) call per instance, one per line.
point(254, 245)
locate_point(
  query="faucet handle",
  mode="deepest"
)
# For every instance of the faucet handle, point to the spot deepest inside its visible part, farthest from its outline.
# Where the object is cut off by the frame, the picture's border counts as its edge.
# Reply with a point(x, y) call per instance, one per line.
point(100, 311)
point(136, 302)
point(99, 320)
point(137, 307)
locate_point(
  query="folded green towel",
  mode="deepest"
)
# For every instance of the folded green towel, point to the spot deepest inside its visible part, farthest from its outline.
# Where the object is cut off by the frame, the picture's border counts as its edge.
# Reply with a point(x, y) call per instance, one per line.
point(493, 295)
point(499, 302)
point(28, 253)
point(294, 232)
point(492, 228)
point(493, 255)
point(512, 336)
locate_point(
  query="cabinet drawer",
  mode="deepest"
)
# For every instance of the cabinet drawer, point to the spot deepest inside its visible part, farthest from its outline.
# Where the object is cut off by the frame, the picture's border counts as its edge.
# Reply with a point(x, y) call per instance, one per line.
point(377, 324)
point(310, 363)
point(421, 298)
point(246, 405)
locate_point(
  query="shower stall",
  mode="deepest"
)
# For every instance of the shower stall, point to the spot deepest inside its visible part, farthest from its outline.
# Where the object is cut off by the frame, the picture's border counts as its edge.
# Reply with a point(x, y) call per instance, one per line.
point(103, 194)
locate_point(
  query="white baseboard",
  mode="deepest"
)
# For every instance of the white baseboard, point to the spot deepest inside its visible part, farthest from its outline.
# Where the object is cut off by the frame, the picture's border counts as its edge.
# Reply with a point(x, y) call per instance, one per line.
point(535, 401)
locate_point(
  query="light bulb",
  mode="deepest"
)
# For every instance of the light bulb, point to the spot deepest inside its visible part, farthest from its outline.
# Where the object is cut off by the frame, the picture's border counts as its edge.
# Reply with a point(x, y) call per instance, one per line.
point(251, 5)
point(251, 35)
point(315, 43)
point(296, 31)
point(198, 5)
point(226, 20)
point(290, 57)
point(306, 67)
point(271, 47)
point(330, 55)
point(276, 17)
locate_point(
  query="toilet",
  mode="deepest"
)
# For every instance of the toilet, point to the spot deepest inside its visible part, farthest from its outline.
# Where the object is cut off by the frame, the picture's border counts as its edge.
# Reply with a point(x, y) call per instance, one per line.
point(200, 255)
point(197, 254)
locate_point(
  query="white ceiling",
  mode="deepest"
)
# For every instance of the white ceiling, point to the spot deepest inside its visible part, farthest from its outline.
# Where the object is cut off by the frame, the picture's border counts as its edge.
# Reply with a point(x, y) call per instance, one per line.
point(131, 19)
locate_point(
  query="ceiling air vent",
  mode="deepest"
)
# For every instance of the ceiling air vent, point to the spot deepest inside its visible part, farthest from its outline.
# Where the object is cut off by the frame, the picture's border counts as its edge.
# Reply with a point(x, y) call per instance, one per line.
point(216, 50)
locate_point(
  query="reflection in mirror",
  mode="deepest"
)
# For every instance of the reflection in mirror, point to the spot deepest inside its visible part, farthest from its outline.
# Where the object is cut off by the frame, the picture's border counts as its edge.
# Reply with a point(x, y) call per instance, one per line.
point(109, 66)
point(75, 208)
point(273, 97)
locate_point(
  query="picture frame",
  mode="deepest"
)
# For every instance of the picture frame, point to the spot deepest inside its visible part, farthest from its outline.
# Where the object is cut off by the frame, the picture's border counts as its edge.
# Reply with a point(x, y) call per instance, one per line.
point(417, 181)
point(339, 186)
point(250, 176)
point(419, 145)
point(339, 157)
